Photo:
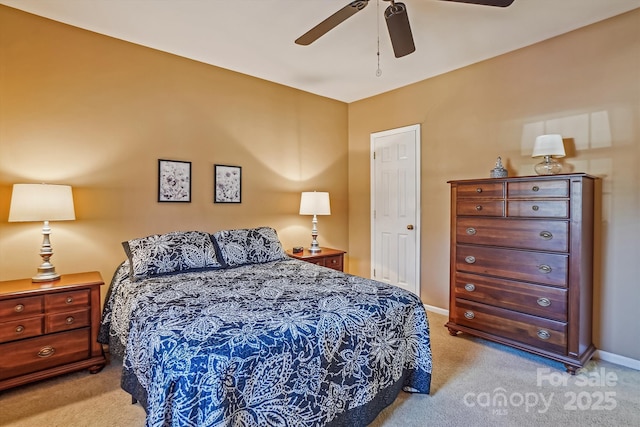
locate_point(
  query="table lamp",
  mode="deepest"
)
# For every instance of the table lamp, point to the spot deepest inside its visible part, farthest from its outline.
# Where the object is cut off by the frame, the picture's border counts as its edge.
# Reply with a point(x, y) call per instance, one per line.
point(548, 146)
point(314, 203)
point(42, 202)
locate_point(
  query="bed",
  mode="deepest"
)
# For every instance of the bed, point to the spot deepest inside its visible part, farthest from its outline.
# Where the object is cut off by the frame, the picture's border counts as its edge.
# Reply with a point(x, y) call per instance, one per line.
point(227, 330)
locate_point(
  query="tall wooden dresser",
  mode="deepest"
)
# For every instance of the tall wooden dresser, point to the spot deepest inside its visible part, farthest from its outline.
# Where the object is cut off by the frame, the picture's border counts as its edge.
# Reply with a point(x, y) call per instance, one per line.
point(522, 263)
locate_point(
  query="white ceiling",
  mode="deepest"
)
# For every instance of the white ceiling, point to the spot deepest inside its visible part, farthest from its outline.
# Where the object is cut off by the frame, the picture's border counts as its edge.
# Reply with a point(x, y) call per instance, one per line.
point(256, 37)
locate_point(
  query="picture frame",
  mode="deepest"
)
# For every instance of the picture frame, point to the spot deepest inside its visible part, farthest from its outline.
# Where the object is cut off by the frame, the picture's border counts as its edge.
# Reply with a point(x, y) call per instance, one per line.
point(227, 185)
point(174, 181)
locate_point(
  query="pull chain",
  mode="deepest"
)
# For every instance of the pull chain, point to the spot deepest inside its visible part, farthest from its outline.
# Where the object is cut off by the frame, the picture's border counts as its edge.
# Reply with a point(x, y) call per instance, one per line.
point(378, 71)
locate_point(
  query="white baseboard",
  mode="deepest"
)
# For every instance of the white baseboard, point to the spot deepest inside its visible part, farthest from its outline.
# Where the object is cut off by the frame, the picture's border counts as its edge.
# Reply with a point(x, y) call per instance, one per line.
point(617, 359)
point(599, 354)
point(437, 310)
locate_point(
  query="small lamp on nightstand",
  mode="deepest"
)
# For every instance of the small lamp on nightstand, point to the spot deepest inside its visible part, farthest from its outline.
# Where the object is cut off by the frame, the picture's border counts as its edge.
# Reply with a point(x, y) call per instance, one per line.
point(548, 146)
point(315, 203)
point(42, 202)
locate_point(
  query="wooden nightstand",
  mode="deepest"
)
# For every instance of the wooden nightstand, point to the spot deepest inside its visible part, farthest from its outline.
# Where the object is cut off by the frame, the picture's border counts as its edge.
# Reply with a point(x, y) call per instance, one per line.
point(49, 328)
point(327, 257)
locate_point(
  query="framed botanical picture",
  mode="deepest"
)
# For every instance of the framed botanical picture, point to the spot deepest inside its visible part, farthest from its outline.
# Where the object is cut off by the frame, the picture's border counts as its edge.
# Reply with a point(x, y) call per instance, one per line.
point(227, 186)
point(174, 181)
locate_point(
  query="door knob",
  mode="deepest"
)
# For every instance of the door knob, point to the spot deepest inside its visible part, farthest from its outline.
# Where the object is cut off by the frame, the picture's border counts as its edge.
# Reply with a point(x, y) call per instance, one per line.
point(410, 227)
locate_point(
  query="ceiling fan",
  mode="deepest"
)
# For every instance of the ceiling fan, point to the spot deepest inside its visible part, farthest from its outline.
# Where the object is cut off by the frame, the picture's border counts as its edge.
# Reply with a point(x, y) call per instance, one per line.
point(395, 16)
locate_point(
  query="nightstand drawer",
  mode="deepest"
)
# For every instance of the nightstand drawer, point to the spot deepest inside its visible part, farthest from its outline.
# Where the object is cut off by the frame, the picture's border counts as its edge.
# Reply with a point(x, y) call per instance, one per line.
point(325, 257)
point(334, 262)
point(69, 320)
point(18, 308)
point(536, 331)
point(22, 328)
point(65, 301)
point(33, 354)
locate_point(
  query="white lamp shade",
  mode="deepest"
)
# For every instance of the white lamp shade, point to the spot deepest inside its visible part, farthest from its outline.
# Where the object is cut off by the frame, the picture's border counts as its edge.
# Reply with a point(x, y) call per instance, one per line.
point(41, 202)
point(548, 145)
point(315, 203)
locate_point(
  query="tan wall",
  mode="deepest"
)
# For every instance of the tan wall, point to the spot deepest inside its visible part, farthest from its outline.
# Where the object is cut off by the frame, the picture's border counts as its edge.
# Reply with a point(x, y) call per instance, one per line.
point(97, 113)
point(584, 85)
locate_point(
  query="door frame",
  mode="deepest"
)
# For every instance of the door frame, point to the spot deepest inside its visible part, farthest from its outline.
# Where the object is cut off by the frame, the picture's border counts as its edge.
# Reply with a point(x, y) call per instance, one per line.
point(416, 128)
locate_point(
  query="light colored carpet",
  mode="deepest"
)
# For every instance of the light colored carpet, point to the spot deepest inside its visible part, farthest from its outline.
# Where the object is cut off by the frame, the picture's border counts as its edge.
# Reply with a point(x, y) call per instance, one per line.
point(469, 377)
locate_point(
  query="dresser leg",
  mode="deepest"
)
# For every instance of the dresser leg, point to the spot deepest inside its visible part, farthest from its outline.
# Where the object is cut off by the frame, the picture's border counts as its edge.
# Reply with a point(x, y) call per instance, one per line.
point(452, 332)
point(571, 369)
point(95, 369)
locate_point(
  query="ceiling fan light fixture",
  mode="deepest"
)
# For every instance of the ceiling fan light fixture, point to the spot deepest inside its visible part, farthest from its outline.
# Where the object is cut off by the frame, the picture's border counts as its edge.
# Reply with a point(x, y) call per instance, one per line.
point(496, 3)
point(399, 29)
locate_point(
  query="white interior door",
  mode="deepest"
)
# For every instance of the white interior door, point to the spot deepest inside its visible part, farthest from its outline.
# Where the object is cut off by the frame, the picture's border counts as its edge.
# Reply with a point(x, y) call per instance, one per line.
point(395, 207)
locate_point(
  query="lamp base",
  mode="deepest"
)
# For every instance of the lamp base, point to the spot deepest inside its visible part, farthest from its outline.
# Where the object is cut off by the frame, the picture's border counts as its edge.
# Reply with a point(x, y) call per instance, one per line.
point(315, 246)
point(46, 274)
point(548, 166)
point(46, 271)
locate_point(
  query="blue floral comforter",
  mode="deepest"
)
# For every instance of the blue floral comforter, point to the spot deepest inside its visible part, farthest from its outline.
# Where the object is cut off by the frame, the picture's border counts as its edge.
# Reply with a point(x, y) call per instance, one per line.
point(284, 343)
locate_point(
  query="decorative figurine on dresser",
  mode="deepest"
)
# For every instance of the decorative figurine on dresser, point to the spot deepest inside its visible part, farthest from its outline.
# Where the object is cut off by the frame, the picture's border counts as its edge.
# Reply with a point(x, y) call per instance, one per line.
point(522, 263)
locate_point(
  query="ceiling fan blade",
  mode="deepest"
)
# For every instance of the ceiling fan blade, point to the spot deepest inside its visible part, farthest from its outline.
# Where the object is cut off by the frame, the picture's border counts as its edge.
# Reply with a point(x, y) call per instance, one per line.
point(331, 22)
point(498, 3)
point(399, 29)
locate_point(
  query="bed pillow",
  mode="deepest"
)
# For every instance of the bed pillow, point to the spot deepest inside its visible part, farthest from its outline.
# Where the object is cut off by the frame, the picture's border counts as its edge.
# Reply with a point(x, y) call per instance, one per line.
point(174, 252)
point(249, 246)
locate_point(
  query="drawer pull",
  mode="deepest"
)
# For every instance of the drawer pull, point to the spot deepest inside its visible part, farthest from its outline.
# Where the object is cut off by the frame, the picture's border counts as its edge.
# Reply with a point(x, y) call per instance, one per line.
point(546, 235)
point(47, 351)
point(70, 320)
point(471, 231)
point(478, 207)
point(334, 261)
point(535, 207)
point(69, 300)
point(469, 315)
point(478, 190)
point(544, 302)
point(18, 308)
point(543, 335)
point(470, 287)
point(544, 268)
point(535, 188)
point(470, 259)
point(19, 329)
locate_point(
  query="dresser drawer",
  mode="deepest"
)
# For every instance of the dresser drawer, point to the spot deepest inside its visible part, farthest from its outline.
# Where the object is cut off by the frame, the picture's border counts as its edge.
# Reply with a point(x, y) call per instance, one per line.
point(481, 189)
point(18, 308)
point(544, 301)
point(33, 354)
point(538, 209)
point(480, 207)
point(514, 233)
point(532, 330)
point(538, 188)
point(65, 301)
point(537, 267)
point(21, 328)
point(69, 320)
point(334, 262)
